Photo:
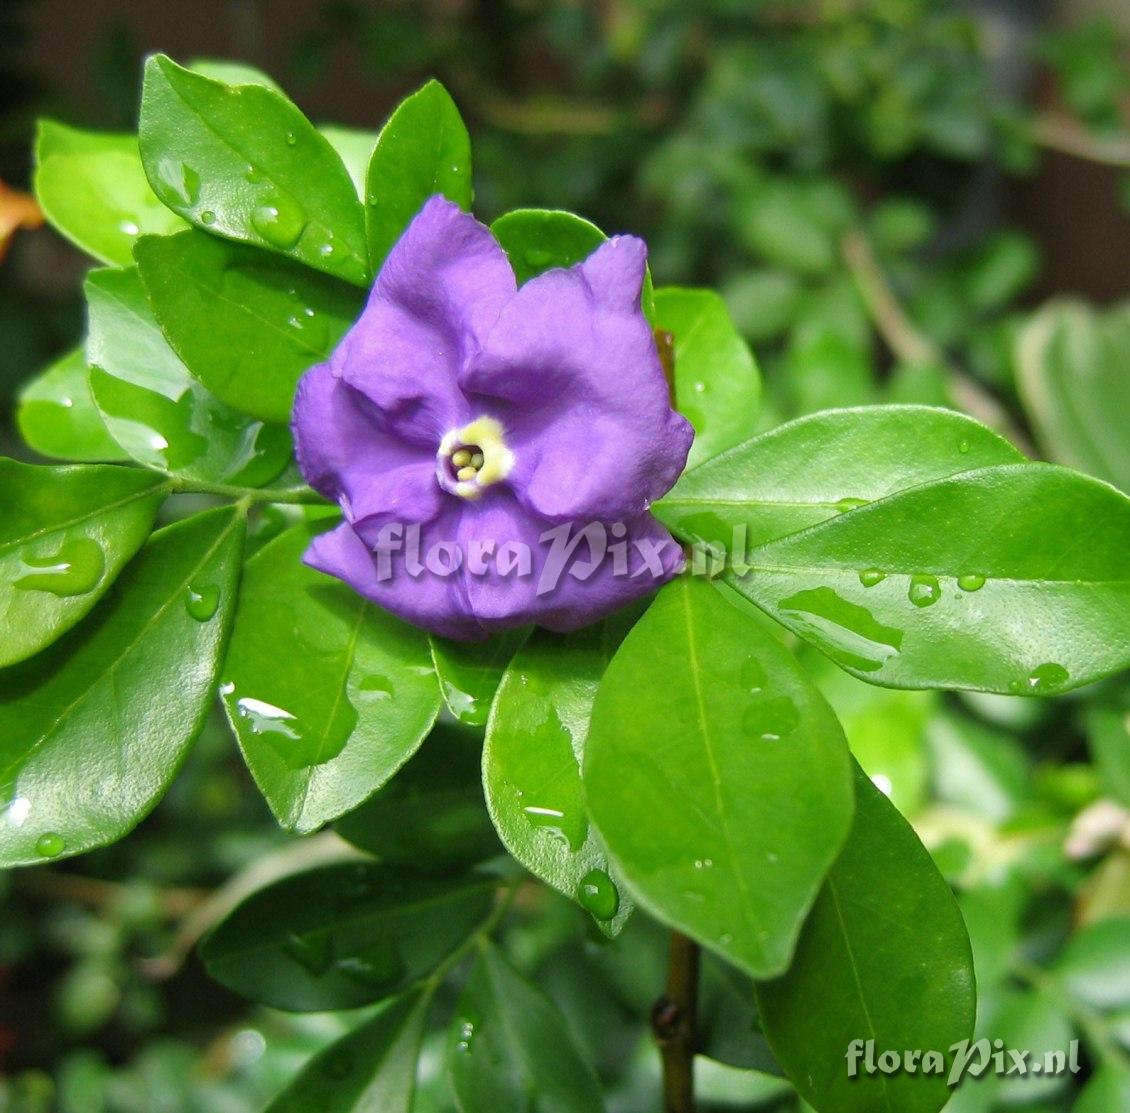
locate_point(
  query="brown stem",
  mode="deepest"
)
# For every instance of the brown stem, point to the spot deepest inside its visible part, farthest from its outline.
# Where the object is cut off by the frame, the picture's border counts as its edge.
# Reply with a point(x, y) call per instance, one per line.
point(1059, 132)
point(673, 1021)
point(910, 345)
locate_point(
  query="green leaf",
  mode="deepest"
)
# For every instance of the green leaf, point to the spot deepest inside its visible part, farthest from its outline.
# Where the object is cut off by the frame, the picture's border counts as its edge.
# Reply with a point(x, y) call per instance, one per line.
point(470, 672)
point(242, 161)
point(93, 730)
point(328, 695)
point(822, 465)
point(884, 956)
point(155, 409)
point(431, 815)
point(723, 803)
point(233, 73)
point(246, 324)
point(65, 534)
point(535, 240)
point(511, 1047)
point(717, 384)
point(370, 1070)
point(424, 149)
point(92, 188)
point(1106, 1090)
point(1071, 372)
point(1094, 967)
point(532, 766)
point(343, 935)
point(980, 581)
point(57, 416)
point(1108, 736)
point(355, 148)
point(977, 768)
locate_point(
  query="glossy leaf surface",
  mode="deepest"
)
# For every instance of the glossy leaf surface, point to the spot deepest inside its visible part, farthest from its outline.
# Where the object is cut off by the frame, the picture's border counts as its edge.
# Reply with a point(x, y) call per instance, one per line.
point(343, 935)
point(532, 765)
point(723, 803)
point(57, 415)
point(80, 764)
point(246, 325)
point(92, 187)
point(65, 534)
point(241, 161)
point(423, 150)
point(884, 956)
point(1009, 579)
point(155, 409)
point(370, 1070)
point(823, 465)
point(717, 384)
point(511, 1047)
point(327, 694)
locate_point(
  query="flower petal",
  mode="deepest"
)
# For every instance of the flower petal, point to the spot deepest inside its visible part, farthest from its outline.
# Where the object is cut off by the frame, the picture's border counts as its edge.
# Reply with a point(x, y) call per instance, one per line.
point(575, 575)
point(572, 371)
point(439, 292)
point(346, 456)
point(433, 602)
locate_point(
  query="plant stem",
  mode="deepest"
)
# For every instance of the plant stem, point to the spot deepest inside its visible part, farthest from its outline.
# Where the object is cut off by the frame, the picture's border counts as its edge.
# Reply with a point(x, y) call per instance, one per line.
point(293, 497)
point(673, 1021)
point(910, 345)
point(1058, 132)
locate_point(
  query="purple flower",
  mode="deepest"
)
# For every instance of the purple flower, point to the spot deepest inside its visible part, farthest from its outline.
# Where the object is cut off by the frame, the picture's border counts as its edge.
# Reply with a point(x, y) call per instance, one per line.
point(472, 432)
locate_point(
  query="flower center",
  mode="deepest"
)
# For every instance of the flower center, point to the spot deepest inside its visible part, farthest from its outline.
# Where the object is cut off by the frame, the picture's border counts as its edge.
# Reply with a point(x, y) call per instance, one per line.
point(470, 459)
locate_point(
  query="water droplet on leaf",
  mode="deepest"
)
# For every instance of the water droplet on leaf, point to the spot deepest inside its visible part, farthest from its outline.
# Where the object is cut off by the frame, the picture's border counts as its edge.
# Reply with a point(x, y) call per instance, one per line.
point(50, 845)
point(924, 591)
point(203, 601)
point(844, 505)
point(74, 570)
point(279, 221)
point(770, 720)
point(1047, 677)
point(869, 577)
point(597, 894)
point(971, 582)
point(751, 676)
point(848, 633)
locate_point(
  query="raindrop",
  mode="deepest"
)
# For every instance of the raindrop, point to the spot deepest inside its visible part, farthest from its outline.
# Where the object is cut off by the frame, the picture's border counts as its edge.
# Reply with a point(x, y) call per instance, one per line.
point(963, 448)
point(202, 602)
point(207, 217)
point(869, 577)
point(74, 570)
point(971, 582)
point(751, 676)
point(844, 505)
point(597, 893)
point(314, 953)
point(925, 591)
point(178, 185)
point(291, 139)
point(848, 633)
point(376, 687)
point(1047, 677)
point(770, 720)
point(279, 222)
point(265, 718)
point(254, 175)
point(50, 845)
